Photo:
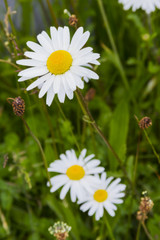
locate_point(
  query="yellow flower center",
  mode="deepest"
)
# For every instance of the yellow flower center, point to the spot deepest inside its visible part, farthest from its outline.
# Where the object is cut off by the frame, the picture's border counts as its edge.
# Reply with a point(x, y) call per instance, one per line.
point(100, 195)
point(59, 62)
point(75, 172)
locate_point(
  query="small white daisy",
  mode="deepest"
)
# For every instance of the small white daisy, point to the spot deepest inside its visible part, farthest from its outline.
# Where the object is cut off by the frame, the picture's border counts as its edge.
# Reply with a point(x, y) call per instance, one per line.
point(103, 197)
point(147, 5)
point(75, 174)
point(58, 63)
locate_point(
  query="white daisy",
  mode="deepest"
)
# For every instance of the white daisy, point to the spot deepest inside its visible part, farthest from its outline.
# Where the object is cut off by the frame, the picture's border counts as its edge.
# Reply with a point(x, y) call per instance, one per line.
point(103, 197)
point(75, 174)
point(58, 63)
point(147, 5)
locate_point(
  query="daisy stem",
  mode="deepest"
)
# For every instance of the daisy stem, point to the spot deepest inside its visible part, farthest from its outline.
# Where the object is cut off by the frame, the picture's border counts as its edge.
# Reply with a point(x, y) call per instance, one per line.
point(52, 13)
point(109, 227)
point(146, 231)
point(91, 120)
point(109, 32)
point(40, 148)
point(149, 141)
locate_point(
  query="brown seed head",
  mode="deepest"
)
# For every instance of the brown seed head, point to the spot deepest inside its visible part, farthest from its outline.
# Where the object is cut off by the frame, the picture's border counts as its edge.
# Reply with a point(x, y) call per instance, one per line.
point(145, 123)
point(73, 20)
point(18, 105)
point(146, 205)
point(90, 94)
point(61, 236)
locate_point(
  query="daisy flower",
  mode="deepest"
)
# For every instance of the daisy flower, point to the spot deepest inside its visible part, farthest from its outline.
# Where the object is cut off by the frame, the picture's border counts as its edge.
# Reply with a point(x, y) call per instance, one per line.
point(58, 63)
point(105, 196)
point(75, 174)
point(147, 5)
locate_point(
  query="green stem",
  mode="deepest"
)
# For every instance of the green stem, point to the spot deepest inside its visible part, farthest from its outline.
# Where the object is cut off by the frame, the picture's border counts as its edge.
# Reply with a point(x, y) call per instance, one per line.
point(109, 228)
point(91, 120)
point(10, 19)
point(138, 231)
point(7, 61)
point(146, 231)
point(52, 13)
point(149, 141)
point(40, 148)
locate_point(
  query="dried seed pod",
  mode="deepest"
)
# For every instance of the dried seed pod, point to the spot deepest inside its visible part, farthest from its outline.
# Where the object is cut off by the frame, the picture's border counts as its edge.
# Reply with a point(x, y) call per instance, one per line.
point(73, 20)
point(18, 105)
point(145, 123)
point(146, 204)
point(145, 207)
point(90, 94)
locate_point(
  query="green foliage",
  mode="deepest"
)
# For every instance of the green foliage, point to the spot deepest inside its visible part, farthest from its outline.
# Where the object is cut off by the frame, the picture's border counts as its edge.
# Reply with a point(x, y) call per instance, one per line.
point(129, 85)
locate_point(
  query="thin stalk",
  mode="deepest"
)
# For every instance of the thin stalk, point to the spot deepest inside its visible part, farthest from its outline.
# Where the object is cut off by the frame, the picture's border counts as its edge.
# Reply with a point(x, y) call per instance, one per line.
point(149, 141)
point(52, 13)
point(138, 231)
point(40, 148)
point(91, 120)
point(10, 19)
point(146, 231)
point(136, 163)
point(109, 228)
point(6, 61)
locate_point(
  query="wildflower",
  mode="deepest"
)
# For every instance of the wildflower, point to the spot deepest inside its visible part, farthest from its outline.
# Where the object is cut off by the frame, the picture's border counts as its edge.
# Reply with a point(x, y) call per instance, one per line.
point(75, 174)
point(58, 63)
point(147, 5)
point(18, 105)
point(60, 230)
point(105, 196)
point(145, 207)
point(145, 122)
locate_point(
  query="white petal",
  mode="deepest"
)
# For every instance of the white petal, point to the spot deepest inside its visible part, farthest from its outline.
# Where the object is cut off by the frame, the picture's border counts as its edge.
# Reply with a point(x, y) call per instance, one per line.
point(64, 190)
point(56, 83)
point(70, 80)
point(45, 87)
point(37, 56)
point(84, 72)
point(33, 72)
point(44, 43)
point(36, 48)
point(29, 62)
point(66, 38)
point(39, 81)
point(75, 38)
point(61, 93)
point(50, 96)
point(21, 79)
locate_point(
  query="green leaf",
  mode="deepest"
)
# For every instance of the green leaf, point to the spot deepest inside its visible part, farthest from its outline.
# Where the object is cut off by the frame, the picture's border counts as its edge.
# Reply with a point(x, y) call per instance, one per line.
point(118, 132)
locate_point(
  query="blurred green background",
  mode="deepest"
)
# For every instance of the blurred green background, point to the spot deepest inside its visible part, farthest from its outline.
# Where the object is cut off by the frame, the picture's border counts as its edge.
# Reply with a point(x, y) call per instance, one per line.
point(128, 86)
